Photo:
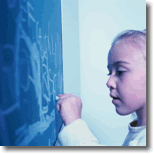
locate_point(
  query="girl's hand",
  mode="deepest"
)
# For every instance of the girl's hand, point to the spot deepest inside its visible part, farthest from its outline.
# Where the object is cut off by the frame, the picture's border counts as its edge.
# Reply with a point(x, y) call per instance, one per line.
point(69, 107)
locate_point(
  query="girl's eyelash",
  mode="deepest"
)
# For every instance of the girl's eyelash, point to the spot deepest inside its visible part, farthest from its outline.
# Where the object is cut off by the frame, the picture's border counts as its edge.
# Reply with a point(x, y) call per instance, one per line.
point(119, 72)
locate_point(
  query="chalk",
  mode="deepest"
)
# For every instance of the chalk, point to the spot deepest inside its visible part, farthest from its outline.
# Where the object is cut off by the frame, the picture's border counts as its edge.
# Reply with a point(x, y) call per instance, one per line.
point(57, 98)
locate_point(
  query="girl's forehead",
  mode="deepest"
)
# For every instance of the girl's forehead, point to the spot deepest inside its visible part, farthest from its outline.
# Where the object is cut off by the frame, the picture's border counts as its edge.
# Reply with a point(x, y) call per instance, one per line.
point(124, 51)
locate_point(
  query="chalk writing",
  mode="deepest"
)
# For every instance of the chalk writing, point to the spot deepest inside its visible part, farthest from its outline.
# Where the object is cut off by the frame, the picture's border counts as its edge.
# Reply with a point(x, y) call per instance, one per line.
point(38, 69)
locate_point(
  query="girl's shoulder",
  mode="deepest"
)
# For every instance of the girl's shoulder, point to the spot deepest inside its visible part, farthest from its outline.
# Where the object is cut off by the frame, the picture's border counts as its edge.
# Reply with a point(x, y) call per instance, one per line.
point(136, 135)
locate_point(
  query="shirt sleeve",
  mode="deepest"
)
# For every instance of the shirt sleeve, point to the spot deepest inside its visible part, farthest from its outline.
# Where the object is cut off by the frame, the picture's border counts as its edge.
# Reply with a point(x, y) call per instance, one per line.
point(77, 133)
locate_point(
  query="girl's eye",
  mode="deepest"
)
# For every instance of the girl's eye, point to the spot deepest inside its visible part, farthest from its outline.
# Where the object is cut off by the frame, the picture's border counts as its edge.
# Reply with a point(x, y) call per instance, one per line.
point(120, 72)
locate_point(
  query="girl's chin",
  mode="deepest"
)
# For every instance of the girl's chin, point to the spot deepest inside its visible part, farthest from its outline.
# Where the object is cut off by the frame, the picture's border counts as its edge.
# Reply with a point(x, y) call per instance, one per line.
point(121, 112)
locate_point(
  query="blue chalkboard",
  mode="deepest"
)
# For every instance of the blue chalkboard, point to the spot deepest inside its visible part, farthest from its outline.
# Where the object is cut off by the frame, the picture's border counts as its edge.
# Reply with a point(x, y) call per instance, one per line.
point(31, 72)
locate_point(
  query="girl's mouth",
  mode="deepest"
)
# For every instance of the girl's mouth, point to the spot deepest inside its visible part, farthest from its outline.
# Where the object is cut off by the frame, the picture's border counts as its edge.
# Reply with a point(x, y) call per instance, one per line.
point(113, 97)
point(115, 100)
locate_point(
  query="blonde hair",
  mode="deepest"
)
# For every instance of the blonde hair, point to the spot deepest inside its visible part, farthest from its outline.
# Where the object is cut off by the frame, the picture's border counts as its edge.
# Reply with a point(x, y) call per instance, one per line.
point(135, 36)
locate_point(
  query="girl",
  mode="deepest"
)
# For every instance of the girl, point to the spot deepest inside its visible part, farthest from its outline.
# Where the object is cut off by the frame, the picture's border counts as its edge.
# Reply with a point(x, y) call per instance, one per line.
point(127, 85)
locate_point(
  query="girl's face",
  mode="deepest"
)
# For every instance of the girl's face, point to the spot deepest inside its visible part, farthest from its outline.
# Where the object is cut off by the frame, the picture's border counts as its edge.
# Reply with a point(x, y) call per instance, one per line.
point(127, 80)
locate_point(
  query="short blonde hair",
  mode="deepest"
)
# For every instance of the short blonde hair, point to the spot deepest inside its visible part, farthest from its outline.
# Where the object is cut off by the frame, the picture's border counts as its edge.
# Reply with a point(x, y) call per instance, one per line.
point(138, 37)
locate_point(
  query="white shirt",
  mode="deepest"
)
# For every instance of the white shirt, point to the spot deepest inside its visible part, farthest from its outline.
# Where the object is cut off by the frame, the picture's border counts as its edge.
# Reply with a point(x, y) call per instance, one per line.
point(136, 135)
point(77, 133)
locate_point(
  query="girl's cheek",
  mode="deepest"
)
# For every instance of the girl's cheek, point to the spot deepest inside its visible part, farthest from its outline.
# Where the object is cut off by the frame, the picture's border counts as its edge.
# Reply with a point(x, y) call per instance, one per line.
point(134, 96)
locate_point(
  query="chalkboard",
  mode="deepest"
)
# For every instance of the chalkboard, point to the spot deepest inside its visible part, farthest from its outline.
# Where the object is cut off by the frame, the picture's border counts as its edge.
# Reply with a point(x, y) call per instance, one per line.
point(31, 72)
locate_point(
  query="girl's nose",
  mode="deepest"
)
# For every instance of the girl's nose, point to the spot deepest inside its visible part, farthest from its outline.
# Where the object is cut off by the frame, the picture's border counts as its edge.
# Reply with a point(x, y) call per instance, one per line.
point(111, 83)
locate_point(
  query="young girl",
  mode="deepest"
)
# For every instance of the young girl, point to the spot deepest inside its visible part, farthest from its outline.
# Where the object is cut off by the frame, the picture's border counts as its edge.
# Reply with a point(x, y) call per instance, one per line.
point(127, 85)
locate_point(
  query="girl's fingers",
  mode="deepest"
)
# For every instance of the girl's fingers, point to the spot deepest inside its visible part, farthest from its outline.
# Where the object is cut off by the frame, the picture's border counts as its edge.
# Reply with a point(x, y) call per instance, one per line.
point(61, 99)
point(58, 107)
point(65, 95)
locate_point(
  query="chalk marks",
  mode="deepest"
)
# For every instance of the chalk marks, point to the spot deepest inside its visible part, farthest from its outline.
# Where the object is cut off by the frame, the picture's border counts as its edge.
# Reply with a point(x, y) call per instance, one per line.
point(27, 133)
point(52, 49)
point(29, 8)
point(9, 110)
point(37, 65)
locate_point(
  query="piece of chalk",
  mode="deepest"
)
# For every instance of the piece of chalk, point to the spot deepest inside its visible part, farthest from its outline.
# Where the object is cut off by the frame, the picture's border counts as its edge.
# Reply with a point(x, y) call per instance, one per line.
point(57, 98)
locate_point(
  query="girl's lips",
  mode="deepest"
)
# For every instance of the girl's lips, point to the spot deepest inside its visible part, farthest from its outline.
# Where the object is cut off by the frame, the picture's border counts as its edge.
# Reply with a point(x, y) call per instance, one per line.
point(114, 101)
point(113, 97)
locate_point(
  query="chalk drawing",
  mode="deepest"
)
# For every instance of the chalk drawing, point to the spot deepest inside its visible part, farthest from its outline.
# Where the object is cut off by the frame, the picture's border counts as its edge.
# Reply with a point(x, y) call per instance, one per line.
point(52, 45)
point(30, 16)
point(45, 46)
point(23, 10)
point(28, 133)
point(9, 110)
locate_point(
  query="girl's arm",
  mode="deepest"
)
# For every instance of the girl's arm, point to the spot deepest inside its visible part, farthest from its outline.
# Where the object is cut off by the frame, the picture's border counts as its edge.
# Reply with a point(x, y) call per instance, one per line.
point(75, 131)
point(77, 134)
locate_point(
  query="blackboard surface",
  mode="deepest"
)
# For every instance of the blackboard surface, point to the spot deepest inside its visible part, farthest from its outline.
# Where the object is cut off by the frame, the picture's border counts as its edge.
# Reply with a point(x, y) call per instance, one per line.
point(31, 72)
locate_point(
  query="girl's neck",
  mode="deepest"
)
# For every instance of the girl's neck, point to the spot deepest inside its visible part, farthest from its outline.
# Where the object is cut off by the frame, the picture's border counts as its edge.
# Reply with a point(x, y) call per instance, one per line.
point(141, 123)
point(141, 114)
